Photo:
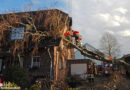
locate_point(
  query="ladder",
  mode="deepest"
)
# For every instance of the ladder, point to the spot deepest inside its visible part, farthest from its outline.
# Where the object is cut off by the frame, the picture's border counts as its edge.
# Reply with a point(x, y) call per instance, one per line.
point(89, 51)
point(93, 53)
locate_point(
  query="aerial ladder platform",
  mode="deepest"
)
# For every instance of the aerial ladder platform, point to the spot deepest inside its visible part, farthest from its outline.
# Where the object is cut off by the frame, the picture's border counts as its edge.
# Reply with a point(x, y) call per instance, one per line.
point(89, 51)
point(93, 53)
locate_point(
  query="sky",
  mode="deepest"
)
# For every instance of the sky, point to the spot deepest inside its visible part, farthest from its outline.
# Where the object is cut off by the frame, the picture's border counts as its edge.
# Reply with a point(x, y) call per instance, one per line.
point(91, 17)
point(22, 5)
point(95, 17)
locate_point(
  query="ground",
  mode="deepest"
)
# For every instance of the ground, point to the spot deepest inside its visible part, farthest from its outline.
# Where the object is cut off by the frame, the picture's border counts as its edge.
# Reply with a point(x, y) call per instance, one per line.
point(116, 81)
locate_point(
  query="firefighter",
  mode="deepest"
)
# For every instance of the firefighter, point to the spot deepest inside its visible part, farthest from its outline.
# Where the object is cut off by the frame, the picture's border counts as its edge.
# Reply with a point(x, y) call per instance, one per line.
point(111, 59)
point(90, 73)
point(68, 35)
point(77, 37)
point(74, 34)
point(1, 82)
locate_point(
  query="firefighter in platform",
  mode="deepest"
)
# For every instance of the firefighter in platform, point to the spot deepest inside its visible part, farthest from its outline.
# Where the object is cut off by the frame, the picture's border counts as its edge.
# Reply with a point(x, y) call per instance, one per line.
point(77, 37)
point(74, 34)
point(68, 35)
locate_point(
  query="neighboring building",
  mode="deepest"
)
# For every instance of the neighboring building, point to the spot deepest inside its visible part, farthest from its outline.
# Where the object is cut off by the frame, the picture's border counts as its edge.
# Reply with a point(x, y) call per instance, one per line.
point(45, 57)
point(78, 55)
point(126, 58)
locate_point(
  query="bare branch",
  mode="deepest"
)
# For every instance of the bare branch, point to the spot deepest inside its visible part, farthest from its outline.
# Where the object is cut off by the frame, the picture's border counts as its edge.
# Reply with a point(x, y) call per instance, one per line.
point(109, 45)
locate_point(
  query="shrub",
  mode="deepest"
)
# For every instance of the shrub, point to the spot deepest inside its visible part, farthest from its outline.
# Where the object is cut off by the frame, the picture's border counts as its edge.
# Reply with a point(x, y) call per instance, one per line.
point(35, 87)
point(72, 81)
point(17, 75)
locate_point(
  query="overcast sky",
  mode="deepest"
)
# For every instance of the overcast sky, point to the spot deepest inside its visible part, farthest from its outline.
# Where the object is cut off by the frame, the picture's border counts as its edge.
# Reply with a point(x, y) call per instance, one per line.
point(94, 17)
point(91, 17)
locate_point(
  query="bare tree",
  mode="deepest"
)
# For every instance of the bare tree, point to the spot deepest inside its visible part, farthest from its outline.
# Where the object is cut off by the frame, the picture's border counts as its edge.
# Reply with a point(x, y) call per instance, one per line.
point(53, 23)
point(39, 27)
point(109, 45)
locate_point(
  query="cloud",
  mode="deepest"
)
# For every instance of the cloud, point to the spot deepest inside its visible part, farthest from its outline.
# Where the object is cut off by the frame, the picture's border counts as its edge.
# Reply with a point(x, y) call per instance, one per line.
point(112, 20)
point(121, 10)
point(94, 17)
point(110, 31)
point(124, 33)
point(105, 17)
point(120, 19)
point(108, 19)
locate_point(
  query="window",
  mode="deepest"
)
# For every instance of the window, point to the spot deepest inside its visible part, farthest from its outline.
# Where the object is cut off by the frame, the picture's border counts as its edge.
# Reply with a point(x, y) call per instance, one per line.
point(17, 33)
point(60, 64)
point(35, 62)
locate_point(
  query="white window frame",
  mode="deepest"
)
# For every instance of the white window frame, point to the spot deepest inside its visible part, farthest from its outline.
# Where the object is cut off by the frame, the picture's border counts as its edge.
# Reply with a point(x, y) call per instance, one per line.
point(21, 59)
point(17, 33)
point(35, 63)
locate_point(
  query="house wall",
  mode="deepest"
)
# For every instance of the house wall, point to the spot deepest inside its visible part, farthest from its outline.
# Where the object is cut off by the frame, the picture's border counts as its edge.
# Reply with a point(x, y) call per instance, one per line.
point(45, 62)
point(63, 54)
point(78, 69)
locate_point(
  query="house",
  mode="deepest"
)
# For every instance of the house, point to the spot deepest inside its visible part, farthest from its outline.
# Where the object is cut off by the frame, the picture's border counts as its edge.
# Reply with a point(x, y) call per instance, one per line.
point(34, 40)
